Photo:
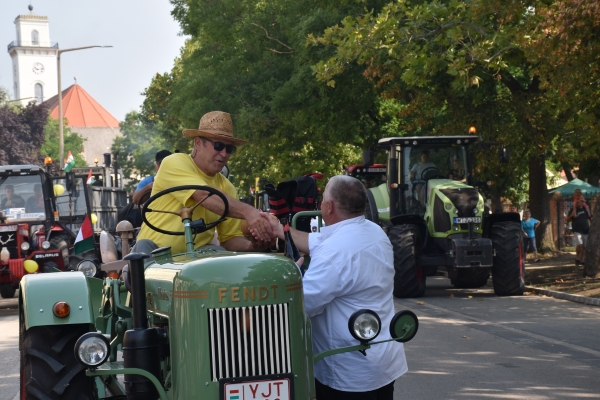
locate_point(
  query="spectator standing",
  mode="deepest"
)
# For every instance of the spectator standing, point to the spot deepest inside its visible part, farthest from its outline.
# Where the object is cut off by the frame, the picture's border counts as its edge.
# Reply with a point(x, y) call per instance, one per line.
point(145, 185)
point(11, 200)
point(529, 225)
point(351, 268)
point(580, 217)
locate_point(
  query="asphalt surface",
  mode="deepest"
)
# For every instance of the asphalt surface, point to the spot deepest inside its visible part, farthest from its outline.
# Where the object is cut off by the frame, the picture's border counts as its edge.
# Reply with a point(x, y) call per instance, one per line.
point(474, 345)
point(470, 345)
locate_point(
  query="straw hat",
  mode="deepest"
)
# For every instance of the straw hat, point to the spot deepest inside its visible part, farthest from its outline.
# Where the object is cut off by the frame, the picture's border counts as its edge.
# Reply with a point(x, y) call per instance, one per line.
point(215, 125)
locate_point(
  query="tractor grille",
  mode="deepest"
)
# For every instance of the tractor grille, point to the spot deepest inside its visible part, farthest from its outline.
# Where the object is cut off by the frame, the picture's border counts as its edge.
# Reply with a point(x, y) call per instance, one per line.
point(441, 219)
point(249, 341)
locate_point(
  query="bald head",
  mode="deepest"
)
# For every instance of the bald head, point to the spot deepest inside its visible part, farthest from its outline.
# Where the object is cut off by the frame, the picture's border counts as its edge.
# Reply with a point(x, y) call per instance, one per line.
point(349, 194)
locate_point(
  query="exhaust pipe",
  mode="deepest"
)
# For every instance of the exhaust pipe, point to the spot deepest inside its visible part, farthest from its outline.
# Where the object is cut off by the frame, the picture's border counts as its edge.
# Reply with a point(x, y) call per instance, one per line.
point(141, 345)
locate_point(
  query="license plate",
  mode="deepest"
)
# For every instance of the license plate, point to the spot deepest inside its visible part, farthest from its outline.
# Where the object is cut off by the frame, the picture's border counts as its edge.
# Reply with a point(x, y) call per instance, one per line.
point(258, 390)
point(467, 220)
point(8, 228)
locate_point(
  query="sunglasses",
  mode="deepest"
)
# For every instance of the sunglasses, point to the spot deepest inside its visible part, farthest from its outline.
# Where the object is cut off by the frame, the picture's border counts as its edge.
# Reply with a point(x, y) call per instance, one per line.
point(219, 146)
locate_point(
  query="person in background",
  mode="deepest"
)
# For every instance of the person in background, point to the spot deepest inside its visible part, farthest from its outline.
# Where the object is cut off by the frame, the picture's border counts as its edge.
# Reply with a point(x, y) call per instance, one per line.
point(145, 185)
point(580, 217)
point(529, 225)
point(457, 173)
point(11, 200)
point(36, 202)
point(351, 268)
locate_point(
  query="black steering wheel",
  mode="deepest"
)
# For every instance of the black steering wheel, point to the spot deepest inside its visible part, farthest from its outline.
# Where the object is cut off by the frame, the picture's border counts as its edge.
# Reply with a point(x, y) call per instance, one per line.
point(431, 173)
point(186, 212)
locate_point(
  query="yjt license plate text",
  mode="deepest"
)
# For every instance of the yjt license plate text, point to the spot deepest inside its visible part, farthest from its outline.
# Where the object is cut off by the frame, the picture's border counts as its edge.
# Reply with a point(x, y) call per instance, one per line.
point(467, 220)
point(278, 389)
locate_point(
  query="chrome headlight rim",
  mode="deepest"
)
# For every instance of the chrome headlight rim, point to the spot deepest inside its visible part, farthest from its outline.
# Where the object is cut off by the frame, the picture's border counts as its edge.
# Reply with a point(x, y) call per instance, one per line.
point(89, 343)
point(25, 246)
point(88, 267)
point(45, 245)
point(360, 318)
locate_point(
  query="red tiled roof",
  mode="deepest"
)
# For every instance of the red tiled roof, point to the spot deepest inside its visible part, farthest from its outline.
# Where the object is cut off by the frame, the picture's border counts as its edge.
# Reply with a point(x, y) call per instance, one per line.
point(80, 109)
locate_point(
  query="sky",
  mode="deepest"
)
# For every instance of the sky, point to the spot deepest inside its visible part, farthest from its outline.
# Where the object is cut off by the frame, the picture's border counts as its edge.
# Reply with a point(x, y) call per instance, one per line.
point(144, 36)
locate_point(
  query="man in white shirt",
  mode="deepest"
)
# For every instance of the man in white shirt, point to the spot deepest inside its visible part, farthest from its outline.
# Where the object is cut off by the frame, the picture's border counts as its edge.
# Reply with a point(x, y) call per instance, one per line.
point(351, 268)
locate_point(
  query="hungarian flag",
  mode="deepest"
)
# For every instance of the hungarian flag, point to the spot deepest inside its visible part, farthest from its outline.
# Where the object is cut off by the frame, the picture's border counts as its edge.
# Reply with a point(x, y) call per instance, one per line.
point(89, 178)
point(69, 162)
point(85, 237)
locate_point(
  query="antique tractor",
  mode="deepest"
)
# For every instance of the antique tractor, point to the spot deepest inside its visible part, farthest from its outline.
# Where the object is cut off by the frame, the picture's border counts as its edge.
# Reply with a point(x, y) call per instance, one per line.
point(199, 325)
point(435, 217)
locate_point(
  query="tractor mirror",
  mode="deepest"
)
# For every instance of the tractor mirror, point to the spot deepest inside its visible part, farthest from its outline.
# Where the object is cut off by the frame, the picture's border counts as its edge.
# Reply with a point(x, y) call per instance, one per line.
point(504, 154)
point(70, 178)
point(367, 157)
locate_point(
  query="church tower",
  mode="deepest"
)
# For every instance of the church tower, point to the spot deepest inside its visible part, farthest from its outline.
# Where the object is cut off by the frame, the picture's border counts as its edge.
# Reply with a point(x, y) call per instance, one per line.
point(33, 59)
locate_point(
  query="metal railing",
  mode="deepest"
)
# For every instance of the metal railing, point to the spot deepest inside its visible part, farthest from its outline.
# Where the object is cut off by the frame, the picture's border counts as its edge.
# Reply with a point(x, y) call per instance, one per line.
point(25, 43)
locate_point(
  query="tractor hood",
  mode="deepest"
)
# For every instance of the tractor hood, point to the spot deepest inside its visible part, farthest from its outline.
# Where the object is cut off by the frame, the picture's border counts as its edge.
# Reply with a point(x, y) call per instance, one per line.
point(221, 279)
point(449, 199)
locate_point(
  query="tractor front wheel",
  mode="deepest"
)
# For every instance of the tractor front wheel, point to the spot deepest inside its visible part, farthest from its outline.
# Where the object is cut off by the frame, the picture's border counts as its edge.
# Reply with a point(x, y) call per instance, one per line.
point(60, 243)
point(49, 369)
point(7, 291)
point(508, 270)
point(409, 279)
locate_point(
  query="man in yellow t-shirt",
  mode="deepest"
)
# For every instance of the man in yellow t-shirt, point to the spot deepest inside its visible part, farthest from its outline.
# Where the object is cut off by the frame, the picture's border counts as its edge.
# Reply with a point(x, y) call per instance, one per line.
point(213, 145)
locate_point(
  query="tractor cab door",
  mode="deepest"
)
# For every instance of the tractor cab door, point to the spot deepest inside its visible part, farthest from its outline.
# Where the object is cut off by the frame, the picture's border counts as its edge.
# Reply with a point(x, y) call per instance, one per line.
point(72, 202)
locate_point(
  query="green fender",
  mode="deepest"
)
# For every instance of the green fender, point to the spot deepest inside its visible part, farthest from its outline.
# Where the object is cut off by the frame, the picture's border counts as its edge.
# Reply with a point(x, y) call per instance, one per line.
point(382, 201)
point(38, 293)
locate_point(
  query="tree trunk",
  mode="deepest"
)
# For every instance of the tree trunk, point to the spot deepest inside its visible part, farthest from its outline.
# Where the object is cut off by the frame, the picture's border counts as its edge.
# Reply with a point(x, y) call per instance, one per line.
point(592, 250)
point(539, 202)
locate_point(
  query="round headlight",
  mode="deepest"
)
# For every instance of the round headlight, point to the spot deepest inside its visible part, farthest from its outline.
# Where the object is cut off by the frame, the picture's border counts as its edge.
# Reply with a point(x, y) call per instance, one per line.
point(25, 246)
point(45, 245)
point(455, 227)
point(448, 206)
point(88, 268)
point(456, 211)
point(92, 349)
point(364, 325)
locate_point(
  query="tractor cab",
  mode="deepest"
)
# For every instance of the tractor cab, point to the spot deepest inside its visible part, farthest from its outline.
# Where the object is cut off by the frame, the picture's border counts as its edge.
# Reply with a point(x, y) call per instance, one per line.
point(419, 160)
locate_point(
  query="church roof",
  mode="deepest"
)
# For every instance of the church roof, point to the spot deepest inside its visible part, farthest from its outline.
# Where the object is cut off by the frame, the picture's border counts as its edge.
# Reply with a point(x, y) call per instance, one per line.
point(81, 110)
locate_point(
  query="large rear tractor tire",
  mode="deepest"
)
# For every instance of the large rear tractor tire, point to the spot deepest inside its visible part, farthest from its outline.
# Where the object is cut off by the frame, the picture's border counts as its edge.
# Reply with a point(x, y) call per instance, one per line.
point(508, 270)
point(409, 279)
point(49, 370)
point(471, 278)
point(7, 291)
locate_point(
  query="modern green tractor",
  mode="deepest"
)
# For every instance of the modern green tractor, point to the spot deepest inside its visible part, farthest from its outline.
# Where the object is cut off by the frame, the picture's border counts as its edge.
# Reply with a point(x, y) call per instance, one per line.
point(435, 216)
point(198, 325)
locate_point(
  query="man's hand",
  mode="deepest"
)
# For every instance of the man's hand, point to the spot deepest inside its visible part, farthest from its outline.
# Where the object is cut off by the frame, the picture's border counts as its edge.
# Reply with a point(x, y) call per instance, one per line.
point(261, 227)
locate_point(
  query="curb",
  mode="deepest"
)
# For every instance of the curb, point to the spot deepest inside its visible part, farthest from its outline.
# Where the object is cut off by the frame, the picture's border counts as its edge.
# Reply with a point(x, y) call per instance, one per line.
point(565, 296)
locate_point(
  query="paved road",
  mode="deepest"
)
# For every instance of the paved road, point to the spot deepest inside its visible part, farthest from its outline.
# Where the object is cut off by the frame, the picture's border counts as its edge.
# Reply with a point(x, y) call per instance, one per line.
point(483, 347)
point(488, 347)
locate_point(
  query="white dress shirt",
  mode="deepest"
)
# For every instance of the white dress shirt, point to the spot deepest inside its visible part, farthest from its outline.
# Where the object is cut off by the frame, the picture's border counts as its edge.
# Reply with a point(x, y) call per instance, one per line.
point(351, 268)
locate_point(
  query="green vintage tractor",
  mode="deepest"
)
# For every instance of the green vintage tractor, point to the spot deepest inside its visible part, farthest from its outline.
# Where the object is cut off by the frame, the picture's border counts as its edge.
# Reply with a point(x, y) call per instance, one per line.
point(435, 217)
point(198, 325)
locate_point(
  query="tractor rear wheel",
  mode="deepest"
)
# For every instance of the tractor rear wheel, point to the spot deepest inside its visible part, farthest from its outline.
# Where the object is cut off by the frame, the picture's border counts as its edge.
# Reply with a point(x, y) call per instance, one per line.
point(409, 279)
point(471, 278)
point(49, 370)
point(508, 270)
point(7, 291)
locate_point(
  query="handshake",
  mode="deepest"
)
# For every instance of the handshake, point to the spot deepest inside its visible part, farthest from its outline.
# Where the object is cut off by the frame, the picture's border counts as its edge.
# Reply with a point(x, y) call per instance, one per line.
point(262, 229)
